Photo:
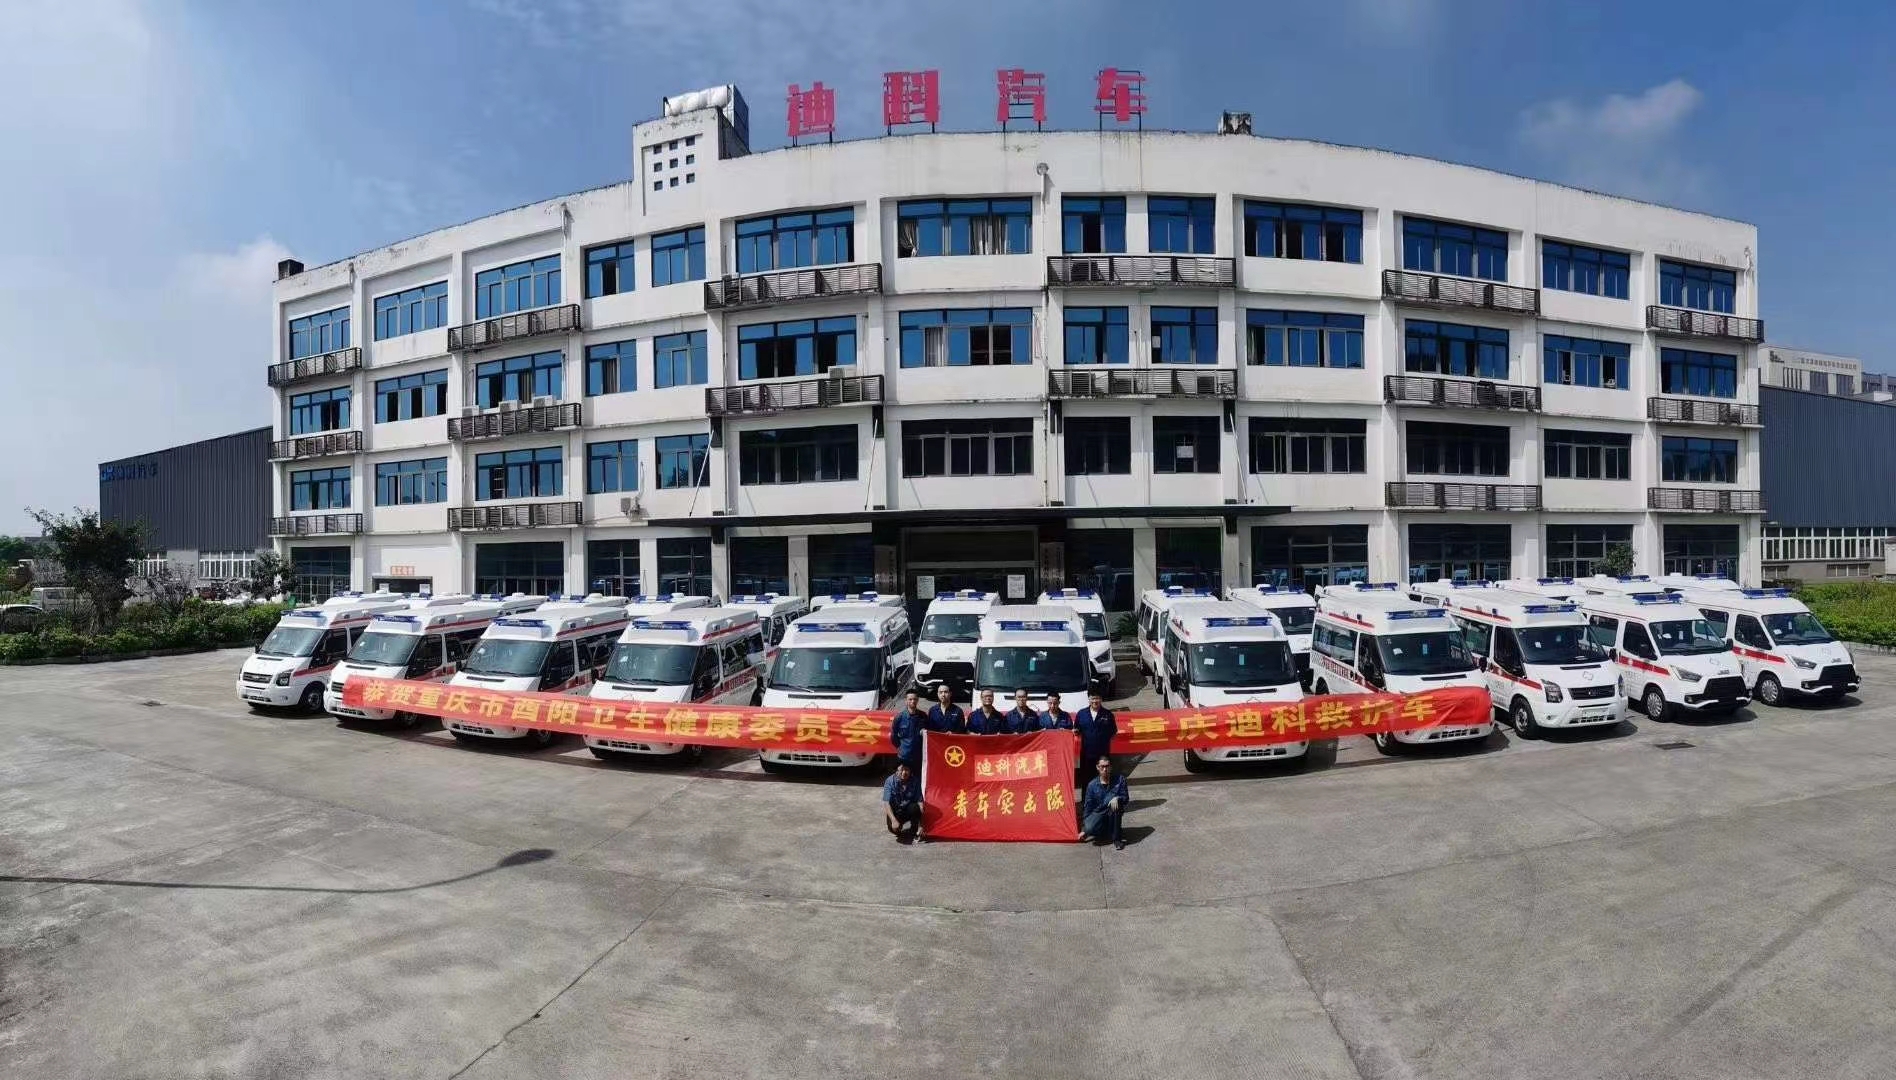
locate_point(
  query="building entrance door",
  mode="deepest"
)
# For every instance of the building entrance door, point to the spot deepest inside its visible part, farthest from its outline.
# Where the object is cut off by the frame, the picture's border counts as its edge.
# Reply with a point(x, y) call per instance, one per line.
point(943, 560)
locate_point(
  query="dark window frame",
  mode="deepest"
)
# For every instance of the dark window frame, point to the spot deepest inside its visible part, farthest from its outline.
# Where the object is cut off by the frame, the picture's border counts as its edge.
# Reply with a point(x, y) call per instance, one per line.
point(979, 446)
point(1098, 445)
point(1278, 338)
point(825, 454)
point(1170, 434)
point(1278, 230)
point(1279, 445)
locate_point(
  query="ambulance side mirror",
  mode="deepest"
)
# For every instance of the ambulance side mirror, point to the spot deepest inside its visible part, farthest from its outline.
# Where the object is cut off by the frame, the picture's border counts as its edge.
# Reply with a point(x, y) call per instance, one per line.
point(1612, 653)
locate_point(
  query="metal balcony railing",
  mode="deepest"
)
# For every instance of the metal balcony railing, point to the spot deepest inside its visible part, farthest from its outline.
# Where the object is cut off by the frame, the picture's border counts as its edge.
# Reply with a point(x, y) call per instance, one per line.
point(1406, 495)
point(753, 399)
point(316, 525)
point(1689, 411)
point(310, 446)
point(521, 324)
point(494, 425)
point(1710, 324)
point(312, 367)
point(1155, 382)
point(533, 515)
point(1436, 290)
point(785, 286)
point(1202, 270)
point(1705, 500)
point(1460, 393)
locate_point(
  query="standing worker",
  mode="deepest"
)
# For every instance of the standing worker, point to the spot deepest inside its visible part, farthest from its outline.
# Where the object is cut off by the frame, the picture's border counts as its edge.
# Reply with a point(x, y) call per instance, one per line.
point(1055, 718)
point(946, 716)
point(905, 731)
point(1097, 726)
point(1022, 718)
point(1104, 805)
point(986, 719)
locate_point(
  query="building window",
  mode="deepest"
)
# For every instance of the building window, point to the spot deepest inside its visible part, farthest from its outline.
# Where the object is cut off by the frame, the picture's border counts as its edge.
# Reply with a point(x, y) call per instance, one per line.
point(612, 567)
point(1097, 336)
point(679, 360)
point(1803, 543)
point(1587, 455)
point(520, 286)
point(1441, 247)
point(612, 466)
point(1098, 445)
point(1459, 552)
point(519, 474)
point(805, 455)
point(411, 397)
point(609, 270)
point(1184, 335)
point(1698, 461)
point(612, 368)
point(964, 227)
point(1185, 444)
point(1092, 225)
point(314, 335)
point(1193, 558)
point(411, 483)
point(678, 256)
point(1700, 288)
point(320, 410)
point(225, 565)
point(841, 563)
point(964, 337)
point(784, 241)
point(519, 378)
point(684, 565)
point(1579, 550)
point(1457, 449)
point(411, 311)
point(1301, 445)
point(1101, 560)
point(1688, 371)
point(979, 447)
point(1432, 348)
point(1572, 268)
point(1580, 362)
point(804, 347)
point(537, 569)
point(1303, 339)
point(760, 564)
point(318, 573)
point(1309, 556)
point(320, 489)
point(1701, 549)
point(1293, 231)
point(1180, 226)
point(684, 461)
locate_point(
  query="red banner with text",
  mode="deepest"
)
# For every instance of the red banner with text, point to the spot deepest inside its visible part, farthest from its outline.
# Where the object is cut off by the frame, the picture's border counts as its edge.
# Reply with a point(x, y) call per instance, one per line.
point(998, 787)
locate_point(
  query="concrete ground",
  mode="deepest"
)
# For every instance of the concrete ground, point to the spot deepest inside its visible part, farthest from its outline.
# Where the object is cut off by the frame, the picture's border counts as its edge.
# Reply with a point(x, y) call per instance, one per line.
point(190, 890)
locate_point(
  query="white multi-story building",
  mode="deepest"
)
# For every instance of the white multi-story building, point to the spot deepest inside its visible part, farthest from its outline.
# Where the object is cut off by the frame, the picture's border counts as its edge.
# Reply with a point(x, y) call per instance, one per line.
point(1011, 361)
point(1812, 372)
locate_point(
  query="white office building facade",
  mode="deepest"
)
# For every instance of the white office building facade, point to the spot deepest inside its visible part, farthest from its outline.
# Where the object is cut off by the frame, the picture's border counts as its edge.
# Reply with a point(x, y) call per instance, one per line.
point(1016, 361)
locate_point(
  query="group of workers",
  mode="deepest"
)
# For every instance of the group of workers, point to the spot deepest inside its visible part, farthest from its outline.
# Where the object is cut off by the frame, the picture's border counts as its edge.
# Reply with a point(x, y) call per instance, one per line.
point(1104, 796)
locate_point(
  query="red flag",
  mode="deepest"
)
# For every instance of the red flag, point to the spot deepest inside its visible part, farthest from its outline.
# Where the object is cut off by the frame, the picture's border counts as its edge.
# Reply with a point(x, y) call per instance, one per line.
point(999, 787)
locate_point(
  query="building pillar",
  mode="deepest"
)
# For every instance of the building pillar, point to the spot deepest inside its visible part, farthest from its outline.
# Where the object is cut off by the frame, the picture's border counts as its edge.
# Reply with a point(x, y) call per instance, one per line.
point(1145, 560)
point(797, 555)
point(1231, 552)
point(720, 565)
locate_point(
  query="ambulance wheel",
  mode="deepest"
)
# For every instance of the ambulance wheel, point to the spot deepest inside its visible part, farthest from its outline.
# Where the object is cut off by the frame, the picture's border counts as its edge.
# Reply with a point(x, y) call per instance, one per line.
point(464, 737)
point(1194, 763)
point(312, 700)
point(1770, 691)
point(769, 766)
point(1654, 705)
point(1521, 715)
point(1386, 744)
point(407, 719)
point(691, 755)
point(1322, 687)
point(538, 739)
point(604, 754)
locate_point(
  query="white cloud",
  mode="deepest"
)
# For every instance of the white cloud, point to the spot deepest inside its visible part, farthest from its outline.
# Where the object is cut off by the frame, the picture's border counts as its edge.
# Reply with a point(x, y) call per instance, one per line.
point(1621, 144)
point(223, 276)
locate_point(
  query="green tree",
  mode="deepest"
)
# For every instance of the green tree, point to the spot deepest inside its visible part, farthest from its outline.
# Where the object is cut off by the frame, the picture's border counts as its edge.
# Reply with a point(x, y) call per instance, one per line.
point(97, 556)
point(1618, 561)
point(266, 574)
point(15, 548)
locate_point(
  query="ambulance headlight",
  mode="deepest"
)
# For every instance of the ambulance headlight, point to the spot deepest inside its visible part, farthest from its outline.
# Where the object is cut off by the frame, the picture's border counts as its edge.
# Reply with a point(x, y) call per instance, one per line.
point(283, 678)
point(1554, 694)
point(922, 655)
point(1807, 665)
point(1688, 676)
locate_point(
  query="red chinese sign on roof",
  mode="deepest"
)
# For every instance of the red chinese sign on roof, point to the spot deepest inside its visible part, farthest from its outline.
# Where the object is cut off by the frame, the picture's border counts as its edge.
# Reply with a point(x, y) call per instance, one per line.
point(911, 97)
point(1120, 94)
point(812, 111)
point(1021, 95)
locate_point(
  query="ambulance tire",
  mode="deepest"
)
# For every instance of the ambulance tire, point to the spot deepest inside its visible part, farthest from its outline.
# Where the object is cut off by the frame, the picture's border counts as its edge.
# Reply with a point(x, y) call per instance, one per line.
point(1655, 706)
point(690, 755)
point(539, 739)
point(1521, 716)
point(470, 740)
point(1770, 691)
point(1388, 745)
point(769, 766)
point(406, 720)
point(1194, 763)
point(312, 700)
point(1321, 687)
point(604, 754)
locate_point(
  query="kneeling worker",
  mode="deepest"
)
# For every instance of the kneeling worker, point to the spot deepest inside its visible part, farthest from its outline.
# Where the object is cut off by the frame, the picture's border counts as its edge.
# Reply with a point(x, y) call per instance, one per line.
point(1104, 804)
point(902, 804)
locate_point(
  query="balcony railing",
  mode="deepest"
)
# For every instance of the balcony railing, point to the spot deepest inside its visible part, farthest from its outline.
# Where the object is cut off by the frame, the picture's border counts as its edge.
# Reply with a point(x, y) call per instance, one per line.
point(521, 324)
point(316, 525)
point(533, 515)
point(309, 446)
point(1403, 495)
point(1710, 324)
point(786, 286)
point(755, 399)
point(1705, 500)
point(494, 425)
point(1203, 270)
point(1460, 393)
point(1436, 290)
point(1156, 382)
point(313, 367)
point(1689, 411)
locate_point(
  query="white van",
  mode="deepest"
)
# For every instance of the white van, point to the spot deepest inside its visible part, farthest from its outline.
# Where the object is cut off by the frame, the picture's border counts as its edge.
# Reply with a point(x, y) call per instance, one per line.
point(704, 655)
point(1668, 656)
point(426, 642)
point(1223, 652)
point(775, 611)
point(1439, 592)
point(559, 648)
point(1294, 609)
point(1099, 638)
point(1554, 588)
point(292, 665)
point(1153, 606)
point(944, 649)
point(1542, 667)
point(855, 655)
point(1039, 649)
point(1371, 639)
point(1780, 646)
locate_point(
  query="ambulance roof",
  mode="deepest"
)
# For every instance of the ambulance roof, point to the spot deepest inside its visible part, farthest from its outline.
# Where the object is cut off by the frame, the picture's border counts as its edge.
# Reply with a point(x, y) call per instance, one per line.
point(1516, 608)
point(769, 602)
point(516, 601)
point(434, 620)
point(1626, 583)
point(560, 619)
point(1200, 621)
point(1082, 600)
point(345, 609)
point(1172, 594)
point(1271, 597)
point(1446, 589)
point(1560, 588)
point(659, 603)
point(1033, 624)
point(1746, 601)
point(868, 599)
point(851, 625)
point(1716, 582)
point(1379, 607)
point(962, 602)
point(690, 625)
point(1654, 603)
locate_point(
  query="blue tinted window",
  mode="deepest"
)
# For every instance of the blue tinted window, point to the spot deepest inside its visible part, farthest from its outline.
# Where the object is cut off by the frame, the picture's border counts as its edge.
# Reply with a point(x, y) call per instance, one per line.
point(612, 466)
point(411, 396)
point(1583, 362)
point(520, 286)
point(1701, 288)
point(964, 227)
point(1573, 268)
point(519, 378)
point(314, 335)
point(1689, 460)
point(612, 368)
point(1688, 371)
point(683, 460)
point(1182, 335)
point(1181, 226)
point(1092, 224)
point(1295, 231)
point(1433, 348)
point(406, 483)
point(1441, 247)
point(411, 310)
point(678, 256)
point(319, 410)
point(803, 347)
point(1097, 336)
point(320, 489)
point(609, 270)
point(967, 337)
point(519, 474)
point(1303, 339)
point(784, 241)
point(680, 360)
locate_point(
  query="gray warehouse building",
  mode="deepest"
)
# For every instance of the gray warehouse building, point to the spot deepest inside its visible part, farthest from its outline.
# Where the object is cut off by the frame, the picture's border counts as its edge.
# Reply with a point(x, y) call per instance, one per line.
point(1829, 481)
point(205, 505)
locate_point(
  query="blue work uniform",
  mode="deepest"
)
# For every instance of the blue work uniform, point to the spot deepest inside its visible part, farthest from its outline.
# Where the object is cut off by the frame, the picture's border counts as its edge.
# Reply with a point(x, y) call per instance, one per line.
point(990, 722)
point(905, 805)
point(1056, 719)
point(1020, 721)
point(906, 733)
point(950, 719)
point(1096, 816)
point(1096, 735)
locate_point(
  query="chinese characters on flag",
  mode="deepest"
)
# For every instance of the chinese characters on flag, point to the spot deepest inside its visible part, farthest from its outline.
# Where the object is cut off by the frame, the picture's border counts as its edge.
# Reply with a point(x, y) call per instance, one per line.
point(1022, 95)
point(1120, 94)
point(911, 97)
point(812, 111)
point(999, 787)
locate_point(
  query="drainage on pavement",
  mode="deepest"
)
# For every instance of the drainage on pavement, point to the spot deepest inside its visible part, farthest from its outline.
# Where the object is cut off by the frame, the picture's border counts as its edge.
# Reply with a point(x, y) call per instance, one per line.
point(1674, 744)
point(149, 704)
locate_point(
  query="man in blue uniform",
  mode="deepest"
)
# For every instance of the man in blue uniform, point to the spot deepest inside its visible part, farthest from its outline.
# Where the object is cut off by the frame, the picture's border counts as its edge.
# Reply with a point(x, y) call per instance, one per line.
point(946, 715)
point(905, 731)
point(1055, 716)
point(1097, 726)
point(902, 804)
point(1104, 804)
point(986, 719)
point(1022, 718)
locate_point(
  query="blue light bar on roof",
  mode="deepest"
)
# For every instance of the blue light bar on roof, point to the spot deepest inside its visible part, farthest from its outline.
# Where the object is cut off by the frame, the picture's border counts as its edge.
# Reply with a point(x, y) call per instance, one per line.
point(661, 624)
point(1181, 590)
point(1032, 624)
point(755, 598)
point(1555, 580)
point(1634, 577)
point(304, 613)
point(1238, 620)
point(398, 618)
point(1277, 590)
point(1368, 585)
point(1549, 609)
point(1761, 593)
point(1072, 592)
point(541, 623)
point(835, 628)
point(1432, 614)
point(1657, 598)
point(1478, 583)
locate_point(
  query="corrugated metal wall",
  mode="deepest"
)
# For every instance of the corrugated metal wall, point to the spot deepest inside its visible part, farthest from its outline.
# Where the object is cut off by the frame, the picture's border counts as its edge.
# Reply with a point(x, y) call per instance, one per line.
point(208, 496)
point(1827, 460)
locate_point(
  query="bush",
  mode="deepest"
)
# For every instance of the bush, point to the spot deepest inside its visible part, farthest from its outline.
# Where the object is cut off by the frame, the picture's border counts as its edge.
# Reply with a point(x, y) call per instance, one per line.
point(259, 620)
point(1862, 611)
point(122, 640)
point(17, 647)
point(230, 628)
point(143, 628)
point(60, 641)
point(188, 632)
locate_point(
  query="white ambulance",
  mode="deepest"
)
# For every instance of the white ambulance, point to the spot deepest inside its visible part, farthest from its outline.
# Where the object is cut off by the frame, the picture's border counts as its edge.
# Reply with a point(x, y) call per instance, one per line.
point(559, 648)
point(1371, 639)
point(775, 611)
point(1294, 609)
point(1038, 649)
point(1099, 638)
point(659, 603)
point(1554, 588)
point(944, 649)
point(292, 665)
point(1223, 652)
point(1667, 655)
point(1701, 582)
point(705, 655)
point(855, 655)
point(426, 642)
point(1542, 668)
point(1780, 645)
point(817, 603)
point(1622, 584)
point(1439, 592)
point(1153, 606)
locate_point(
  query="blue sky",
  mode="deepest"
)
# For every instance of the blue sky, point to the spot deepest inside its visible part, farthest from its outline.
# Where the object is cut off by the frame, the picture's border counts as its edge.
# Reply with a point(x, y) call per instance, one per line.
point(172, 151)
